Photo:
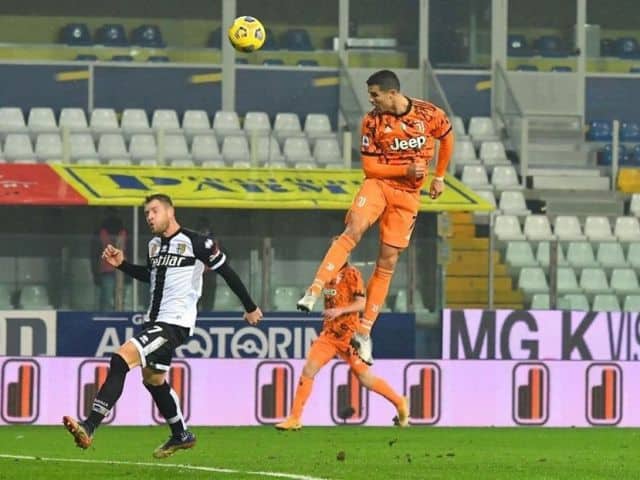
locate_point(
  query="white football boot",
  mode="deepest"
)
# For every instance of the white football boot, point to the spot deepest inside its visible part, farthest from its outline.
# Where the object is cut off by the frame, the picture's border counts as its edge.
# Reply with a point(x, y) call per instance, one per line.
point(364, 346)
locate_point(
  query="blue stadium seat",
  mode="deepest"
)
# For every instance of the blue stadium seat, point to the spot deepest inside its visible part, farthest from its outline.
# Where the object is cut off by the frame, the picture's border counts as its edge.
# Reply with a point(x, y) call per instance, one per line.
point(517, 46)
point(122, 58)
point(561, 68)
point(86, 57)
point(158, 59)
point(241, 61)
point(297, 39)
point(215, 39)
point(270, 42)
point(607, 47)
point(634, 70)
point(627, 47)
point(307, 63)
point(605, 157)
point(273, 61)
point(551, 46)
point(527, 68)
point(636, 154)
point(599, 131)
point(148, 36)
point(630, 132)
point(76, 34)
point(112, 35)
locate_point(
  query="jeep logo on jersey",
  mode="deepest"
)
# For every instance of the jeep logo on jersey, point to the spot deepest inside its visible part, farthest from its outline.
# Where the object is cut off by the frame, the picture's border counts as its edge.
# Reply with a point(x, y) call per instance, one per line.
point(412, 143)
point(171, 260)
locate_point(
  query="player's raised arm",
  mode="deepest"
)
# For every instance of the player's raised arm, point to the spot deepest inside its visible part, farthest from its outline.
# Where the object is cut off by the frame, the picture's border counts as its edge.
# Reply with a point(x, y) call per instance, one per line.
point(115, 257)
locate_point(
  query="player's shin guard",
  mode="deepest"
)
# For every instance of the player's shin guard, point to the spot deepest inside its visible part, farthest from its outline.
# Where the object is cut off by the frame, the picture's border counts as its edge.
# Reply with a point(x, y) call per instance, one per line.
point(377, 290)
point(109, 392)
point(305, 385)
point(334, 259)
point(169, 406)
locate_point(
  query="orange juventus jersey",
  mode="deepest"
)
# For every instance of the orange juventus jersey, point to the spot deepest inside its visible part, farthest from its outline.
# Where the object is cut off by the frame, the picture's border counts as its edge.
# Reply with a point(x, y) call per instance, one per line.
point(404, 139)
point(340, 292)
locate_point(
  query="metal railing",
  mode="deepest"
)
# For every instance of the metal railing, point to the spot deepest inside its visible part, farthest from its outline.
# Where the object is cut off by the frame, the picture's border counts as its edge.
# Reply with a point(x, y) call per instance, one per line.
point(349, 108)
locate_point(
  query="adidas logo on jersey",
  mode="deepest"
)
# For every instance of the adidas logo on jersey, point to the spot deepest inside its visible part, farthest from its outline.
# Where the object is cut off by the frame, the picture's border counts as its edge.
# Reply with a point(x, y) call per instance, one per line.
point(168, 261)
point(412, 143)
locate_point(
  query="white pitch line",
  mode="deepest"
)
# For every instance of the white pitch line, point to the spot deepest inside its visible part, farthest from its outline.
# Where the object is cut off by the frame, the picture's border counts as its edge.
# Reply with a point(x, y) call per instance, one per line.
point(292, 476)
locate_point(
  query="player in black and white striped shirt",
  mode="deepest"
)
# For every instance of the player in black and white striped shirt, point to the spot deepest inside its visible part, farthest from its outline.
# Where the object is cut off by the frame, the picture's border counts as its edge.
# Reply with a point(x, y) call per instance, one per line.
point(176, 260)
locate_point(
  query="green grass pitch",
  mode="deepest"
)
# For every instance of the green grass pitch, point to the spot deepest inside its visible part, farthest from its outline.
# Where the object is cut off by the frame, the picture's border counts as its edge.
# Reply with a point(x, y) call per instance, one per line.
point(315, 453)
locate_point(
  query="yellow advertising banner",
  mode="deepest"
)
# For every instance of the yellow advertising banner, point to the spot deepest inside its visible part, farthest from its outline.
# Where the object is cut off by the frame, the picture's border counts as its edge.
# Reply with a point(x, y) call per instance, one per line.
point(242, 188)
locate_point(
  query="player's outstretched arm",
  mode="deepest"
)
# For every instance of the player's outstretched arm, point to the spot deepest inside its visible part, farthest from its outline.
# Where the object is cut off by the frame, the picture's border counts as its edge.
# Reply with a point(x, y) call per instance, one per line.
point(115, 257)
point(356, 306)
point(252, 313)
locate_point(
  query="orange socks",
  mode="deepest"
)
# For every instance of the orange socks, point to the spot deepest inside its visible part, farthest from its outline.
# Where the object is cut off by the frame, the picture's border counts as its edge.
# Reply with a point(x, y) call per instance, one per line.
point(334, 259)
point(383, 388)
point(302, 394)
point(377, 290)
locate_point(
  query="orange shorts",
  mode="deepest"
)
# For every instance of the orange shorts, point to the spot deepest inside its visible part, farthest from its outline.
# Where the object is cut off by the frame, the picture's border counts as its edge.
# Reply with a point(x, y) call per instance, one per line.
point(396, 209)
point(326, 347)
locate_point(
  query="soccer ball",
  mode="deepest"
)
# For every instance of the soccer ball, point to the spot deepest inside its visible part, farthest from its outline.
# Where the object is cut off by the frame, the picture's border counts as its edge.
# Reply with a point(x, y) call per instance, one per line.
point(246, 34)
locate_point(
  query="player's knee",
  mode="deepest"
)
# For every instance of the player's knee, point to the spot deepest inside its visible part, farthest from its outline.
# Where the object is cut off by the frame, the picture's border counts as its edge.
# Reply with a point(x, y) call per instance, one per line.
point(365, 378)
point(118, 364)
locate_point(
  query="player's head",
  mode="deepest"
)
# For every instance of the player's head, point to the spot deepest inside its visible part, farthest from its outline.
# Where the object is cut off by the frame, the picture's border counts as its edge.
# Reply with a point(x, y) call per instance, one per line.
point(159, 212)
point(384, 89)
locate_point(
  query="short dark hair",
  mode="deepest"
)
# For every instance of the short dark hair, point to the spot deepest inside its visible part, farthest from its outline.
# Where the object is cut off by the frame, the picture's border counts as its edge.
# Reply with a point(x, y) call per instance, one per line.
point(161, 197)
point(385, 79)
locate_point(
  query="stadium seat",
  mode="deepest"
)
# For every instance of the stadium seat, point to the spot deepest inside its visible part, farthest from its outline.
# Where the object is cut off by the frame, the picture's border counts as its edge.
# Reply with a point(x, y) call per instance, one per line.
point(523, 67)
point(537, 228)
point(633, 255)
point(219, 163)
point(607, 47)
point(512, 202)
point(74, 120)
point(624, 281)
point(148, 36)
point(270, 41)
point(275, 165)
point(327, 151)
point(597, 228)
point(242, 61)
point(76, 34)
point(492, 151)
point(12, 120)
point(87, 161)
point(6, 294)
point(550, 46)
point(593, 281)
point(86, 57)
point(627, 229)
point(576, 301)
point(180, 163)
point(482, 129)
point(305, 165)
point(265, 149)
point(17, 146)
point(112, 35)
point(543, 255)
point(307, 63)
point(104, 120)
point(235, 148)
point(507, 227)
point(81, 146)
point(599, 131)
point(606, 155)
point(32, 270)
point(34, 297)
point(225, 300)
point(634, 205)
point(475, 177)
point(490, 197)
point(567, 228)
point(630, 132)
point(519, 254)
point(505, 178)
point(458, 127)
point(111, 145)
point(567, 281)
point(204, 148)
point(165, 119)
point(175, 148)
point(196, 122)
point(610, 255)
point(317, 125)
point(158, 59)
point(122, 58)
point(276, 62)
point(297, 150)
point(517, 46)
point(286, 125)
point(297, 39)
point(143, 147)
point(561, 68)
point(215, 38)
point(134, 121)
point(41, 120)
point(49, 147)
point(631, 303)
point(257, 123)
point(285, 298)
point(226, 124)
point(634, 70)
point(580, 254)
point(464, 153)
point(532, 280)
point(605, 303)
point(626, 47)
point(540, 301)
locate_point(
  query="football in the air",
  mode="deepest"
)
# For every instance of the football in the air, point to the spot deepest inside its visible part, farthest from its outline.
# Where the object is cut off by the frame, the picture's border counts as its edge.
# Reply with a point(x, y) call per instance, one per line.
point(247, 34)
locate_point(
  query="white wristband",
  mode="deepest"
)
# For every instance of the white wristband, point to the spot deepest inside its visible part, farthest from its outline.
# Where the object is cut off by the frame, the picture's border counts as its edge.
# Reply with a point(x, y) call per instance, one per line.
point(440, 179)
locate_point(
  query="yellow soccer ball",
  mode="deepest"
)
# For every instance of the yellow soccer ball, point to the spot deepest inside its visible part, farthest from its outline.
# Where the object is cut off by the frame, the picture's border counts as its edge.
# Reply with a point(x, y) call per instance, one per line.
point(247, 34)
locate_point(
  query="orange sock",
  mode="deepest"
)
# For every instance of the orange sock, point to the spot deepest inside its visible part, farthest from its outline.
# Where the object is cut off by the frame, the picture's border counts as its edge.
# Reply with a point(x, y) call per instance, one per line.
point(335, 257)
point(383, 388)
point(377, 290)
point(305, 385)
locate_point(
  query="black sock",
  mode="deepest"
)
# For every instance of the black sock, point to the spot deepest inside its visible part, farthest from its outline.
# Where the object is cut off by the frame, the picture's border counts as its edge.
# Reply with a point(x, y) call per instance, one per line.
point(167, 402)
point(109, 392)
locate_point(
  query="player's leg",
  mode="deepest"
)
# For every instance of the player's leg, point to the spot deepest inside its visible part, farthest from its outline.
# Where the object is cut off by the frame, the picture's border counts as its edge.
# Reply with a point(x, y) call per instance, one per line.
point(126, 358)
point(367, 206)
point(321, 352)
point(168, 405)
point(378, 385)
